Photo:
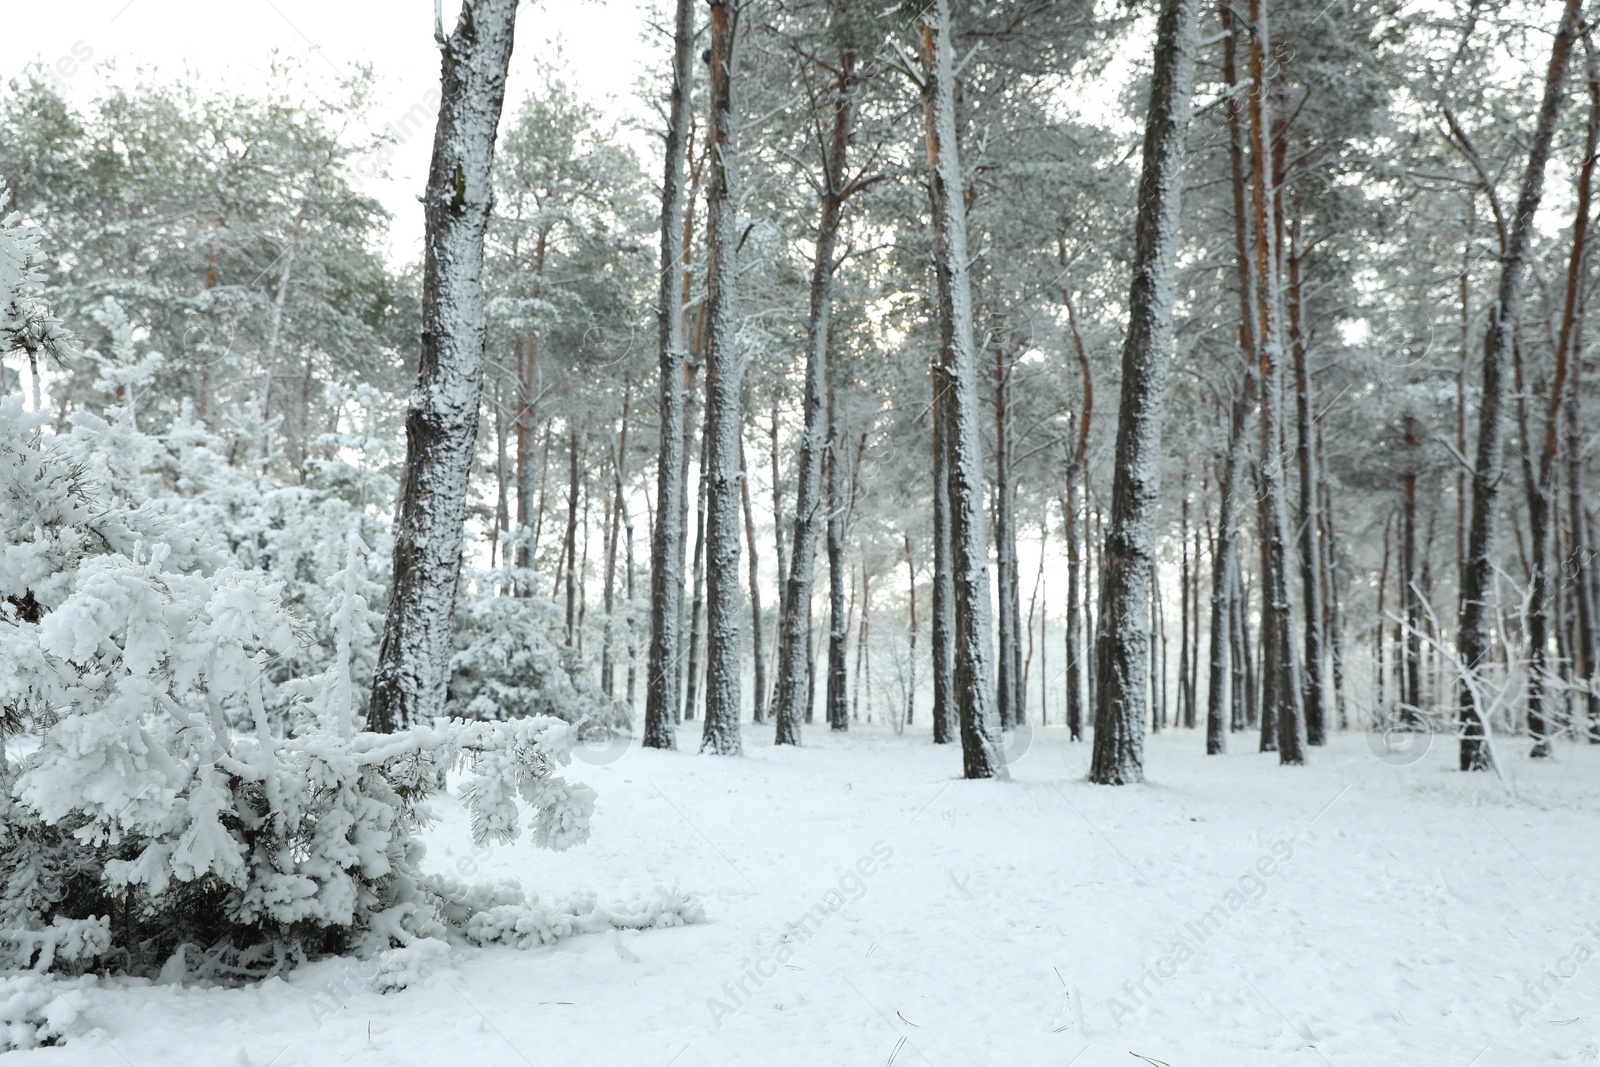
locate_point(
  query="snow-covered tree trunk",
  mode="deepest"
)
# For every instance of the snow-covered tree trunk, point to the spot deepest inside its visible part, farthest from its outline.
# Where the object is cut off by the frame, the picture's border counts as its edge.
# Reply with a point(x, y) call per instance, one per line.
point(442, 420)
point(1284, 707)
point(1010, 697)
point(757, 630)
point(1330, 571)
point(942, 627)
point(1311, 547)
point(666, 540)
point(789, 698)
point(1079, 578)
point(1472, 634)
point(724, 375)
point(958, 368)
point(569, 543)
point(1122, 643)
point(834, 698)
point(697, 601)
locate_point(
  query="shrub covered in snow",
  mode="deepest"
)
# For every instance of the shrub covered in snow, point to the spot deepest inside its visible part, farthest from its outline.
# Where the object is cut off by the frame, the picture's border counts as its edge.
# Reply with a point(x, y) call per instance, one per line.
point(140, 807)
point(157, 814)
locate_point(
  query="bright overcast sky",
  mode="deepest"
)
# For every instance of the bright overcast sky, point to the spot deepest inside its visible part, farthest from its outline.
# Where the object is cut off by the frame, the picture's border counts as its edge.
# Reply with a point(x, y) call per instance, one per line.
point(230, 46)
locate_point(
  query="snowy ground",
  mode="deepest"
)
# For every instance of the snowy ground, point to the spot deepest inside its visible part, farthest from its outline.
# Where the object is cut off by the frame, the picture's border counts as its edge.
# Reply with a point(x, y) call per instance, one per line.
point(1031, 922)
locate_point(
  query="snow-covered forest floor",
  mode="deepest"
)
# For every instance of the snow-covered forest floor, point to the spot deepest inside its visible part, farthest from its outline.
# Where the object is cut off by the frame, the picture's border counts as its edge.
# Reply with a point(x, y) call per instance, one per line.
point(1041, 921)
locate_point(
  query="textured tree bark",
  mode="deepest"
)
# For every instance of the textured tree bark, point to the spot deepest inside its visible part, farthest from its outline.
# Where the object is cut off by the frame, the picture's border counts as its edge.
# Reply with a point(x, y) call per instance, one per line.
point(724, 422)
point(863, 676)
point(781, 556)
point(1379, 711)
point(911, 661)
point(666, 539)
point(943, 626)
point(1411, 693)
point(502, 516)
point(1311, 547)
point(1122, 647)
point(958, 368)
point(1185, 697)
point(1330, 569)
point(1008, 674)
point(1074, 620)
point(697, 601)
point(570, 542)
point(1243, 667)
point(1078, 578)
point(1472, 635)
point(835, 699)
point(614, 507)
point(1269, 676)
point(442, 418)
point(794, 640)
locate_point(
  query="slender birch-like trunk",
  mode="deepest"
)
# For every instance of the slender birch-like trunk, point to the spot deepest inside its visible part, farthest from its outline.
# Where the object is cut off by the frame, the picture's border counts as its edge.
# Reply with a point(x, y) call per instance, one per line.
point(442, 420)
point(1122, 645)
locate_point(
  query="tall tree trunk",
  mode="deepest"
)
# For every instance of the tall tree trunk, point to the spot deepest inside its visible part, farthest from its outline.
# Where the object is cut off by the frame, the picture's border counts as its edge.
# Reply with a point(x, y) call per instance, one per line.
point(794, 641)
point(1225, 556)
point(1473, 631)
point(863, 652)
point(613, 536)
point(1009, 693)
point(570, 542)
point(911, 662)
point(1033, 604)
point(958, 368)
point(1185, 698)
point(1278, 593)
point(942, 635)
point(666, 539)
point(1311, 546)
point(836, 699)
point(1243, 685)
point(691, 693)
point(442, 421)
point(1536, 624)
point(1411, 696)
point(1122, 646)
point(1079, 579)
point(1330, 570)
point(1074, 620)
point(1379, 711)
point(724, 375)
point(502, 510)
point(1269, 647)
point(781, 555)
point(758, 631)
